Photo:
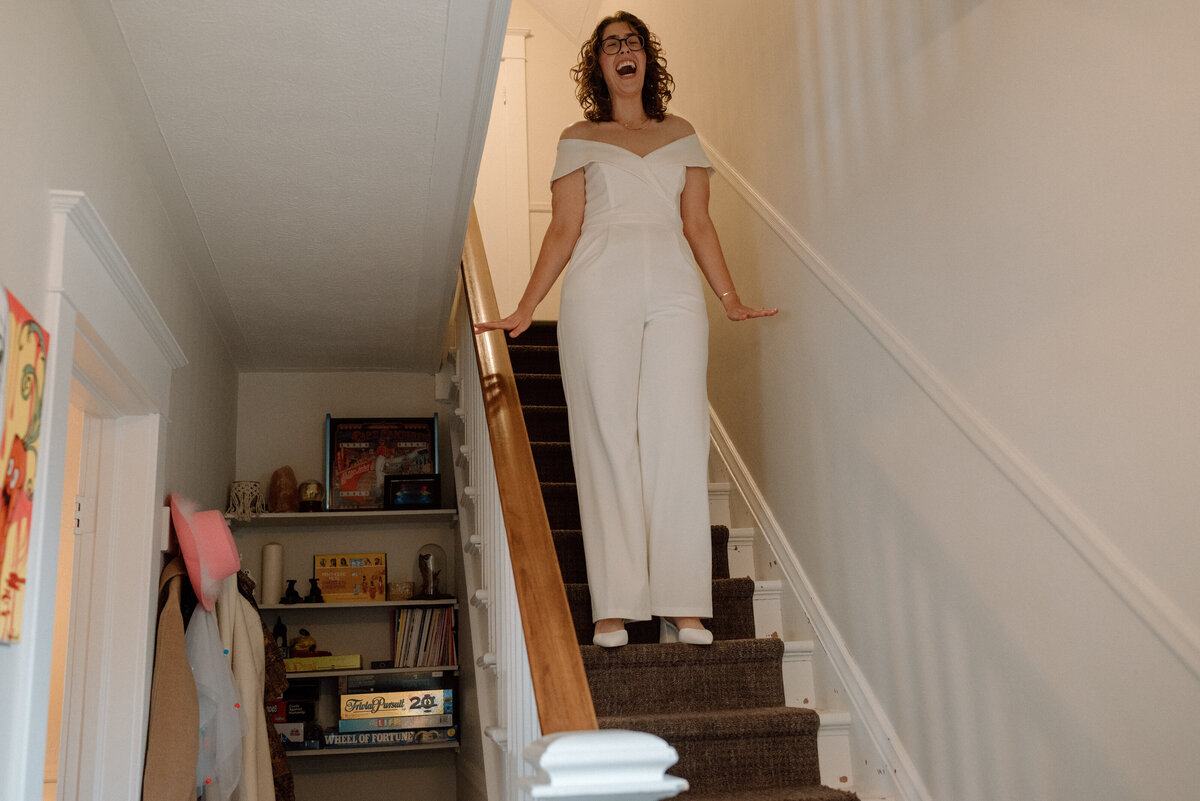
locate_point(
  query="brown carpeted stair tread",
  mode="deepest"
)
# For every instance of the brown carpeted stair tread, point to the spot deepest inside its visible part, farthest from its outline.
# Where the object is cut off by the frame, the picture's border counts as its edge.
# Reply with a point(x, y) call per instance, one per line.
point(743, 748)
point(757, 722)
point(729, 674)
point(800, 792)
point(733, 613)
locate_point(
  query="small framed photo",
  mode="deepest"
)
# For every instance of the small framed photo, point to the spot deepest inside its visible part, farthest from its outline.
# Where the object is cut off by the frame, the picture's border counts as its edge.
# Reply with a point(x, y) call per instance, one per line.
point(413, 492)
point(362, 452)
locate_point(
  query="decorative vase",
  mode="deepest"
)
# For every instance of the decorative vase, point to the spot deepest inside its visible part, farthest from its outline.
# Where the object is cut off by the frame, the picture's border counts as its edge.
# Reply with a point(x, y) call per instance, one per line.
point(245, 500)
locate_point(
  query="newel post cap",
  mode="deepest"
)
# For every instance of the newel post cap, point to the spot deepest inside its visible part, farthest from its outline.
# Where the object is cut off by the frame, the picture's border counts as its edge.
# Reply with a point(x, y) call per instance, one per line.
point(605, 764)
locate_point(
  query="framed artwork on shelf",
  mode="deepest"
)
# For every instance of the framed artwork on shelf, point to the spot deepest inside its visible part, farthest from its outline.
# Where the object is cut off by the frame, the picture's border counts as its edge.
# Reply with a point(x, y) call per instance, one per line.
point(413, 492)
point(362, 452)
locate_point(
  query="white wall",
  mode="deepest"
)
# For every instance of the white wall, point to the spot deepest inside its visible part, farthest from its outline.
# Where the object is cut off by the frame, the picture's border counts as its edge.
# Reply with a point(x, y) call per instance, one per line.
point(61, 129)
point(281, 416)
point(975, 416)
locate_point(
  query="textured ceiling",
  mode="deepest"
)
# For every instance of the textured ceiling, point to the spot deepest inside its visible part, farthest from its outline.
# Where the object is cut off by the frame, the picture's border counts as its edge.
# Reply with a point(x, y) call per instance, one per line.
point(319, 158)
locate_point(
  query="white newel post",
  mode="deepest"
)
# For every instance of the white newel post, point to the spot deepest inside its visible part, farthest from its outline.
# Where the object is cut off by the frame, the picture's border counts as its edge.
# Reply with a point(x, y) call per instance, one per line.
point(600, 765)
point(609, 764)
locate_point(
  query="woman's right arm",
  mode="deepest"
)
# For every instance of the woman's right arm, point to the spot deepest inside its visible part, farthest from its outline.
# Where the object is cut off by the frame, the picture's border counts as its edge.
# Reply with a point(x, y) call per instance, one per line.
point(567, 199)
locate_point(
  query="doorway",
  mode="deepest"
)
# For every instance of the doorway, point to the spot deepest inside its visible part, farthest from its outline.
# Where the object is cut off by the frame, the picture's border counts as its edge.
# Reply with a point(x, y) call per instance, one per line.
point(111, 355)
point(71, 527)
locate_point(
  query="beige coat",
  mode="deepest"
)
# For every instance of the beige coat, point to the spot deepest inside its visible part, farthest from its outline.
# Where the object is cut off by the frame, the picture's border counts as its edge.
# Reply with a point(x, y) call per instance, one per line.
point(173, 738)
point(241, 631)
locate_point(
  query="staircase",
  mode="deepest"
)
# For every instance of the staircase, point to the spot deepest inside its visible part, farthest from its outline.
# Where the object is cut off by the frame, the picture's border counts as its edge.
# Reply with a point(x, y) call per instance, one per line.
point(722, 707)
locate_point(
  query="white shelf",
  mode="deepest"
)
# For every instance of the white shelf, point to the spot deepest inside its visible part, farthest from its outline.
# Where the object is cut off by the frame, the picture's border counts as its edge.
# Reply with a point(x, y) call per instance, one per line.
point(373, 749)
point(342, 518)
point(416, 671)
point(347, 605)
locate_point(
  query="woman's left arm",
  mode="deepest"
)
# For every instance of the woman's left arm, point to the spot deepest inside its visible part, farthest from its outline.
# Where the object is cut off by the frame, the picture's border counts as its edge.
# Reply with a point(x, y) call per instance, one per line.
point(701, 235)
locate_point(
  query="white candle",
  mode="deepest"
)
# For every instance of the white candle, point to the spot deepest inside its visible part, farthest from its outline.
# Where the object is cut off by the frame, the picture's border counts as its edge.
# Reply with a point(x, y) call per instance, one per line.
point(272, 573)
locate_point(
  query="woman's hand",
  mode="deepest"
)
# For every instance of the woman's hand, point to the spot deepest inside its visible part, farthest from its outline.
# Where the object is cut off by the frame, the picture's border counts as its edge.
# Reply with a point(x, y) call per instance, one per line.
point(736, 310)
point(515, 324)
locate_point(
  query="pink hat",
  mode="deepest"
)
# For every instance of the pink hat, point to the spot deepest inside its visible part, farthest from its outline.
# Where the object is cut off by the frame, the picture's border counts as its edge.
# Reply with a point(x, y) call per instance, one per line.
point(207, 547)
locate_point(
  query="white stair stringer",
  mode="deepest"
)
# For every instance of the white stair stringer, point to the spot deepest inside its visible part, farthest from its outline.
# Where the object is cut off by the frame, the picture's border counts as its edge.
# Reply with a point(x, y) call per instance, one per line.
point(833, 738)
point(768, 612)
point(718, 503)
point(741, 552)
point(861, 736)
point(798, 674)
point(833, 750)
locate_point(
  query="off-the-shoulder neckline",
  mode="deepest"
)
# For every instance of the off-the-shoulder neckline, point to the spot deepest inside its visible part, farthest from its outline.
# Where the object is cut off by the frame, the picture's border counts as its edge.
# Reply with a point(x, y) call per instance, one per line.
point(625, 149)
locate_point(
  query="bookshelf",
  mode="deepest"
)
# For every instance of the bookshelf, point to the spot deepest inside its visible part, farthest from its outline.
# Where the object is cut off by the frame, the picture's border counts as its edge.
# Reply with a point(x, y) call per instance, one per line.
point(363, 628)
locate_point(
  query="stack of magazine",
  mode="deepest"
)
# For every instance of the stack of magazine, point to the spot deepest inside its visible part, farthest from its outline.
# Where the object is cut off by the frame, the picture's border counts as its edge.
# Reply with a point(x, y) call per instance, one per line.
point(424, 637)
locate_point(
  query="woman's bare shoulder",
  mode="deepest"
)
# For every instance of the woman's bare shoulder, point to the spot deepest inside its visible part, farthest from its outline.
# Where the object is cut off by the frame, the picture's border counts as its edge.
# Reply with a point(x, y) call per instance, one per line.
point(678, 126)
point(584, 129)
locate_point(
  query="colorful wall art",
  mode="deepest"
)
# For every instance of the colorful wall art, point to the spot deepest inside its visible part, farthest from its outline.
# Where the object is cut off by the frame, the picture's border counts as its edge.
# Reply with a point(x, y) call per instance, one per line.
point(23, 346)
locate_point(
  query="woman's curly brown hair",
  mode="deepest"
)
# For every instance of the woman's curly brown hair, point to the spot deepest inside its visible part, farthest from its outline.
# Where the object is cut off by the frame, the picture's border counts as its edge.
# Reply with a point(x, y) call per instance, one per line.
point(593, 92)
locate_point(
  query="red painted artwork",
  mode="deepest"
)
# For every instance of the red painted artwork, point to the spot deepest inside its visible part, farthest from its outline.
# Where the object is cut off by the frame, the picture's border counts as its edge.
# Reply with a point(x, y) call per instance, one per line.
point(23, 346)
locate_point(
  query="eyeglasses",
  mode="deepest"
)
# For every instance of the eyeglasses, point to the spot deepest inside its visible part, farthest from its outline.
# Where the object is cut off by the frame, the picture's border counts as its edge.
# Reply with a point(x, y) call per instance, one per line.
point(612, 45)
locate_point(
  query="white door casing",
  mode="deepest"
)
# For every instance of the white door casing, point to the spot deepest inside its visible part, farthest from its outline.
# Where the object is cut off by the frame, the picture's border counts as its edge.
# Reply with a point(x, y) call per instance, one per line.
point(107, 341)
point(502, 190)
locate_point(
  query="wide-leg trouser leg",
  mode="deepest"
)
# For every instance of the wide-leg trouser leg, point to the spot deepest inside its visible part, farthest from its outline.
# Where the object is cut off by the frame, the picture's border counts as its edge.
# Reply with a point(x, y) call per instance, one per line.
point(600, 353)
point(673, 432)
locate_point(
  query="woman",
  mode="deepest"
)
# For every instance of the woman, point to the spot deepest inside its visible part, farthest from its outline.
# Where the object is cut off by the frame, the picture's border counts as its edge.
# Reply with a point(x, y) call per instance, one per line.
point(630, 215)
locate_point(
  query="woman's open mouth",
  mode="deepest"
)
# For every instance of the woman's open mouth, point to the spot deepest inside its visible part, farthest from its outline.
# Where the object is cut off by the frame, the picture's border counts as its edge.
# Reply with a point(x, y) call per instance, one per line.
point(626, 68)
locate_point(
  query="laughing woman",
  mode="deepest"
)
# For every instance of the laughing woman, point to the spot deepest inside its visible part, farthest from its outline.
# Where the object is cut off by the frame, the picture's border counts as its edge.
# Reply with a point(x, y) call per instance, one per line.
point(630, 225)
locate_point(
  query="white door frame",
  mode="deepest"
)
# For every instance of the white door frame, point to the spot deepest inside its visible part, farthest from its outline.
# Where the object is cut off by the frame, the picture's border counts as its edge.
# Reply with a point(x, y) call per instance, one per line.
point(108, 342)
point(502, 188)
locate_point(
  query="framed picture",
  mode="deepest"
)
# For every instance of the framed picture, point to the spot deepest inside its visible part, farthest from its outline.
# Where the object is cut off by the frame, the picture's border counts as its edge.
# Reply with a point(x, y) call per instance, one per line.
point(413, 492)
point(361, 452)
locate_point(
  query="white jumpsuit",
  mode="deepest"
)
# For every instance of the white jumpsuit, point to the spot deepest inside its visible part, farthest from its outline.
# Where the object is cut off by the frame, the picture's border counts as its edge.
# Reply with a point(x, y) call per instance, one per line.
point(633, 343)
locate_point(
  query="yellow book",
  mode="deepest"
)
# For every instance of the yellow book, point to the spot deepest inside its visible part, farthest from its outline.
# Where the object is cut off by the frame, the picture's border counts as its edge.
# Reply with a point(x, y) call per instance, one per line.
point(304, 664)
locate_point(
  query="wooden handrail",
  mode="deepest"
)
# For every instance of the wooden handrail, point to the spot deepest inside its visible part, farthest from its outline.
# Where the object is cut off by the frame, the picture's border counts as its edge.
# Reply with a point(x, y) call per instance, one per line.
point(559, 682)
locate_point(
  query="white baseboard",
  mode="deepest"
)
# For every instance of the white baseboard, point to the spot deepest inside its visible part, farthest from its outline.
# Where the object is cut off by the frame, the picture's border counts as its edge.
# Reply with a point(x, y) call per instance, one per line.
point(867, 712)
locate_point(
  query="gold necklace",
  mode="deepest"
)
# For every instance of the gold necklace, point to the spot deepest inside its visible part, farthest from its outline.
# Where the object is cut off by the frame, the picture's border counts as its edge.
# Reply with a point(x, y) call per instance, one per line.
point(629, 127)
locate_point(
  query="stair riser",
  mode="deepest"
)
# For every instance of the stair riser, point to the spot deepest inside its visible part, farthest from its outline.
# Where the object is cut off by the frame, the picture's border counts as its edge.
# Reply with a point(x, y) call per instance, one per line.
point(733, 613)
point(568, 546)
point(534, 359)
point(562, 506)
point(553, 461)
point(542, 332)
point(547, 423)
point(744, 762)
point(540, 390)
point(684, 687)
